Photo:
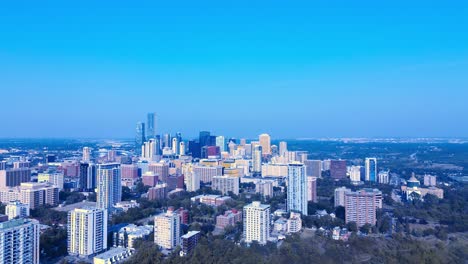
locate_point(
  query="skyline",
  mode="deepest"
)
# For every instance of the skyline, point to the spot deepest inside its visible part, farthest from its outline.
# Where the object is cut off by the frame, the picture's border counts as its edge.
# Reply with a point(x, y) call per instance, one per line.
point(309, 70)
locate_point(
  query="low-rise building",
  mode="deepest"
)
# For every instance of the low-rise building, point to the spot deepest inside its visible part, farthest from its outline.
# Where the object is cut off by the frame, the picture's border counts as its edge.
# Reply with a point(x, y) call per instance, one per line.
point(113, 256)
point(229, 218)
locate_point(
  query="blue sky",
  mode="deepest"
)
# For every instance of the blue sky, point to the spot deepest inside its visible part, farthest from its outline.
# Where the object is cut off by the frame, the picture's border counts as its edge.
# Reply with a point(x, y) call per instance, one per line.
point(289, 68)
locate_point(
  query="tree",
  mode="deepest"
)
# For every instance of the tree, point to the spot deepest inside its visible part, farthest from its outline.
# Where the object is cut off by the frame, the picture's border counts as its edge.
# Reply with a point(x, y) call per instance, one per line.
point(352, 226)
point(366, 229)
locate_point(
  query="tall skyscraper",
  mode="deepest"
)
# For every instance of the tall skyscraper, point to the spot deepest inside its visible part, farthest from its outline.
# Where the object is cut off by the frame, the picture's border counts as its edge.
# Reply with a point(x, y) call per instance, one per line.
point(139, 136)
point(87, 231)
point(283, 148)
point(257, 161)
point(297, 188)
point(175, 146)
point(151, 124)
point(167, 229)
point(371, 169)
point(256, 222)
point(19, 241)
point(109, 185)
point(361, 206)
point(86, 154)
point(182, 148)
point(204, 138)
point(221, 143)
point(150, 150)
point(87, 174)
point(265, 142)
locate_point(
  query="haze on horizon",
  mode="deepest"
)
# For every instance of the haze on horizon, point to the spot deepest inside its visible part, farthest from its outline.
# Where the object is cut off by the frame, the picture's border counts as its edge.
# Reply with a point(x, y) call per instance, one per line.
point(294, 69)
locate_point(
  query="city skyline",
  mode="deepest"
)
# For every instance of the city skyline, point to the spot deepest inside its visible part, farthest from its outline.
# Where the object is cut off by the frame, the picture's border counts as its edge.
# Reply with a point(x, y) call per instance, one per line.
point(92, 70)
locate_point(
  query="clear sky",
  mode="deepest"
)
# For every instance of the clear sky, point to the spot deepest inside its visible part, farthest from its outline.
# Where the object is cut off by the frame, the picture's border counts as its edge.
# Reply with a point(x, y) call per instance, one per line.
point(237, 68)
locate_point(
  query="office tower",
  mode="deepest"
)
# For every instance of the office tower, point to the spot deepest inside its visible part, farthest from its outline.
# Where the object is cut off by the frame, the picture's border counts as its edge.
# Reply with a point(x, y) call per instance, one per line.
point(338, 169)
point(265, 142)
point(429, 180)
point(355, 173)
point(87, 231)
point(150, 150)
point(33, 194)
point(212, 151)
point(182, 148)
point(86, 154)
point(312, 189)
point(256, 222)
point(87, 174)
point(175, 146)
point(297, 188)
point(192, 179)
point(14, 177)
point(340, 196)
point(139, 136)
point(361, 206)
point(204, 138)
point(160, 169)
point(167, 140)
point(313, 168)
point(109, 185)
point(194, 149)
point(16, 209)
point(188, 242)
point(257, 161)
point(225, 184)
point(283, 148)
point(167, 229)
point(221, 143)
point(49, 158)
point(52, 178)
point(384, 177)
point(151, 124)
point(371, 169)
point(207, 173)
point(19, 241)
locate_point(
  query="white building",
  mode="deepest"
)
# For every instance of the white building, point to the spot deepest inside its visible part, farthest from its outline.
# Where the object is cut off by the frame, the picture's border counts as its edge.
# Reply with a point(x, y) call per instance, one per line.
point(113, 256)
point(109, 185)
point(383, 177)
point(16, 209)
point(294, 223)
point(225, 184)
point(86, 154)
point(191, 178)
point(256, 222)
point(221, 143)
point(340, 196)
point(275, 170)
point(297, 188)
point(87, 231)
point(283, 148)
point(128, 234)
point(167, 229)
point(265, 142)
point(257, 160)
point(52, 178)
point(19, 241)
point(264, 187)
point(355, 173)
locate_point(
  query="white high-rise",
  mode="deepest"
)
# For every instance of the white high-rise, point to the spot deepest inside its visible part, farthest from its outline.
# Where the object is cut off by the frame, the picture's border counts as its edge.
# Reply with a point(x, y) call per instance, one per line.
point(355, 173)
point(257, 160)
point(86, 154)
point(16, 209)
point(283, 148)
point(87, 231)
point(167, 229)
point(19, 241)
point(182, 148)
point(175, 146)
point(191, 178)
point(265, 142)
point(256, 222)
point(225, 184)
point(297, 188)
point(109, 185)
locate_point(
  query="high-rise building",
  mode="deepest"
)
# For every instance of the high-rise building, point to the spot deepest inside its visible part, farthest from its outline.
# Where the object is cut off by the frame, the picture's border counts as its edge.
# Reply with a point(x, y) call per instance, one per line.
point(182, 148)
point(256, 222)
point(189, 241)
point(109, 185)
point(151, 124)
point(221, 143)
point(314, 168)
point(158, 192)
point(86, 154)
point(175, 146)
point(338, 169)
point(340, 196)
point(87, 173)
point(355, 173)
point(225, 184)
point(150, 150)
point(265, 142)
point(87, 231)
point(16, 209)
point(371, 169)
point(19, 241)
point(192, 179)
point(167, 229)
point(34, 194)
point(312, 189)
point(129, 174)
point(283, 148)
point(139, 136)
point(161, 169)
point(207, 173)
point(384, 177)
point(297, 188)
point(204, 138)
point(257, 160)
point(361, 206)
point(20, 164)
point(264, 187)
point(14, 177)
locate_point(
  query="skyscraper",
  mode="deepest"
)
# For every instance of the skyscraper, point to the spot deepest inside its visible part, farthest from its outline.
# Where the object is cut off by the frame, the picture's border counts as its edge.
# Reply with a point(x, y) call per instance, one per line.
point(182, 148)
point(87, 173)
point(265, 142)
point(371, 169)
point(139, 136)
point(312, 189)
point(87, 231)
point(109, 185)
point(361, 206)
point(257, 161)
point(283, 148)
point(151, 124)
point(175, 146)
point(297, 188)
point(86, 154)
point(221, 143)
point(167, 229)
point(313, 168)
point(19, 241)
point(256, 222)
point(192, 179)
point(204, 138)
